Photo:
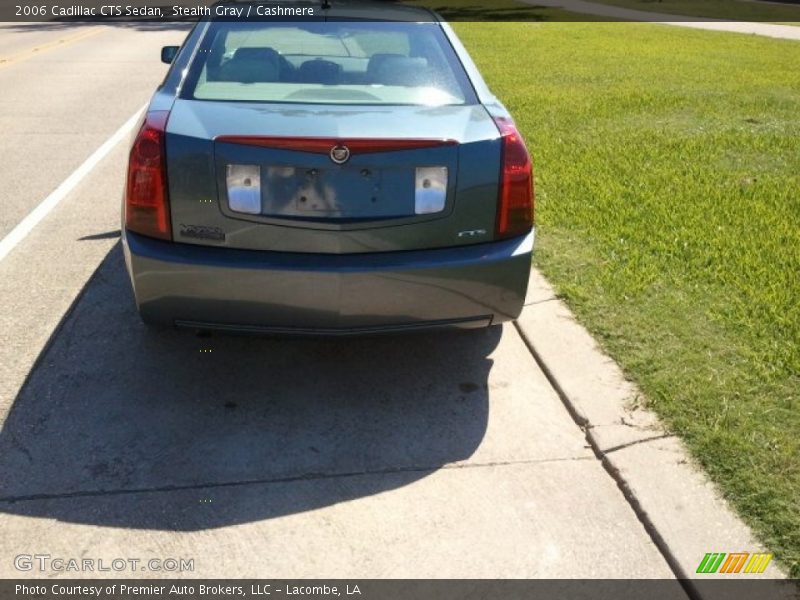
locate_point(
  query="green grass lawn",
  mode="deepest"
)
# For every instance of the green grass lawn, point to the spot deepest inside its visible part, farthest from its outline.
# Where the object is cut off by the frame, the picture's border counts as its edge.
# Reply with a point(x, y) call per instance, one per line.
point(668, 206)
point(738, 10)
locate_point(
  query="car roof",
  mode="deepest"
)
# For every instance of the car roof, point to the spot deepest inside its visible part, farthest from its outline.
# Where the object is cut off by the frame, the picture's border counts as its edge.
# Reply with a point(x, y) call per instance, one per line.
point(386, 10)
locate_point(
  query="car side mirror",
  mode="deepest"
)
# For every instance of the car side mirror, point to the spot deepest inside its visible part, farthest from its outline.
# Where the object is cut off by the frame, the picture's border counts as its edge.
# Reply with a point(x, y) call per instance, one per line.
point(168, 54)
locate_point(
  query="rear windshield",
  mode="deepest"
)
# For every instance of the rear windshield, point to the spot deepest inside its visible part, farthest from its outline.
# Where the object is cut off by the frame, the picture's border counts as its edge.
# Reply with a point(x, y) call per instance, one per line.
point(328, 63)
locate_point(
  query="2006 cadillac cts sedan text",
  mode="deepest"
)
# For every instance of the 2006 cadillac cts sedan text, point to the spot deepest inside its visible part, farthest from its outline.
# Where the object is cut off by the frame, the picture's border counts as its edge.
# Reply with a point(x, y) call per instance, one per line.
point(350, 173)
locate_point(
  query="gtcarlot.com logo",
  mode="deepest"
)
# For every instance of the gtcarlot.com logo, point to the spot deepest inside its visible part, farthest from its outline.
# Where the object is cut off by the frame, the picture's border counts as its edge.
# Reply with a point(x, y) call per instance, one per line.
point(48, 563)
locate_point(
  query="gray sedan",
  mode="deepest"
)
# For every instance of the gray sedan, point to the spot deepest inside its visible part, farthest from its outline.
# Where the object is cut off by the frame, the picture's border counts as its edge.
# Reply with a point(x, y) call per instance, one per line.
point(345, 173)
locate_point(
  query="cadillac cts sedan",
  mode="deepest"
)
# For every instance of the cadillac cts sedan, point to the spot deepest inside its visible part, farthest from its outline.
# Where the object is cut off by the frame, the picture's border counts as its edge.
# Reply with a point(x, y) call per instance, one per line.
point(347, 173)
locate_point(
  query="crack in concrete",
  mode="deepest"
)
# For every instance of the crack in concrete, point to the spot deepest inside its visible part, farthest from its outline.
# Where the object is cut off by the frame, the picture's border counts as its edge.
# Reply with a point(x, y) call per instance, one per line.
point(535, 302)
point(635, 442)
point(286, 479)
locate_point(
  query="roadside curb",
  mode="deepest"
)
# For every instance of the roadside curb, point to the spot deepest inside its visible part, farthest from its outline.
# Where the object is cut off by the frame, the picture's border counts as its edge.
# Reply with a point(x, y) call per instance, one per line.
point(684, 514)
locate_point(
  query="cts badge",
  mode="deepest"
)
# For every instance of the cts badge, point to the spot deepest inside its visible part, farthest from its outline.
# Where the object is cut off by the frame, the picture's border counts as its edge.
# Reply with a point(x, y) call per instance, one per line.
point(340, 154)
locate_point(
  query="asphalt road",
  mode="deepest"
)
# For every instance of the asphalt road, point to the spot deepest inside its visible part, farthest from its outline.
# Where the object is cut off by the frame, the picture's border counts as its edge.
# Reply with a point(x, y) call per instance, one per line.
point(417, 456)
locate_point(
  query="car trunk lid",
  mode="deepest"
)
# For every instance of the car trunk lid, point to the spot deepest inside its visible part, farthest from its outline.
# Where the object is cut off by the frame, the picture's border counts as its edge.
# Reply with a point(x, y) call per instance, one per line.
point(331, 179)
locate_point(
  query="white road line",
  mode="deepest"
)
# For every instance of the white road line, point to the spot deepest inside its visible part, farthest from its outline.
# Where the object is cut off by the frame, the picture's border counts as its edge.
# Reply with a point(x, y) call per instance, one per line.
point(24, 227)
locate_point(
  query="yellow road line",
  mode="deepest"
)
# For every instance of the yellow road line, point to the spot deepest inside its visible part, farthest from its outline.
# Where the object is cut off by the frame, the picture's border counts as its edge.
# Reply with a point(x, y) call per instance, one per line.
point(59, 43)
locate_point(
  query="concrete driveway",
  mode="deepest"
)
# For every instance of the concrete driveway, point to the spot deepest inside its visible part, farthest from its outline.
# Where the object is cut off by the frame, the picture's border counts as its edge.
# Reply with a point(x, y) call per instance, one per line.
point(354, 458)
point(417, 456)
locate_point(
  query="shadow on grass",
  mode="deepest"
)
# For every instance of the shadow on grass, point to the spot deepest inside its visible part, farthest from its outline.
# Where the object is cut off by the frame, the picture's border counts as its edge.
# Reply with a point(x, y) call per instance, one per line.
point(488, 13)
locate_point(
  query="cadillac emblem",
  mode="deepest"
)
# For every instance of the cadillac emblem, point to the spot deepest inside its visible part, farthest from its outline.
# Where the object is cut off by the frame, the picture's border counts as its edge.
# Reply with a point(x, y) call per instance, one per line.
point(340, 154)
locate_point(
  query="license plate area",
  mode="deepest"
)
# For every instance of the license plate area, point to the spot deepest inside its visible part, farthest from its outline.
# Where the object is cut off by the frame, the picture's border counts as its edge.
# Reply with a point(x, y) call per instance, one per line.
point(302, 189)
point(336, 193)
point(347, 193)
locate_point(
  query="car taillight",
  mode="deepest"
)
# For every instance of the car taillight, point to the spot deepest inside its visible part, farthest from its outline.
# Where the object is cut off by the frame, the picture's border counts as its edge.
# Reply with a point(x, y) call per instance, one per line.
point(146, 203)
point(515, 200)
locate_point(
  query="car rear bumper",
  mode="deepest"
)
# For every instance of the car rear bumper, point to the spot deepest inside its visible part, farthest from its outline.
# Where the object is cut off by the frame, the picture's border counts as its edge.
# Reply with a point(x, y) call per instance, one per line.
point(289, 293)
